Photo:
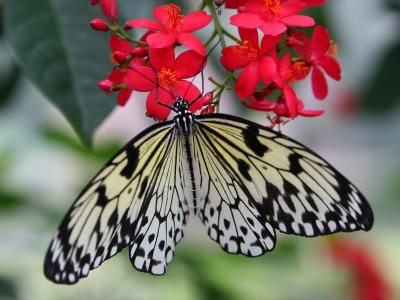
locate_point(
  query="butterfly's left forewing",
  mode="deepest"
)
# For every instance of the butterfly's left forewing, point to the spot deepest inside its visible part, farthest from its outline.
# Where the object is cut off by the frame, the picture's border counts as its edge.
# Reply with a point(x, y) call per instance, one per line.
point(133, 200)
point(294, 189)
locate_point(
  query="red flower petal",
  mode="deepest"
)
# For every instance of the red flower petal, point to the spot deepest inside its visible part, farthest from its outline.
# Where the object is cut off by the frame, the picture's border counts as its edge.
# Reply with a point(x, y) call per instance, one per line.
point(298, 20)
point(195, 21)
point(264, 105)
point(116, 44)
point(319, 84)
point(156, 110)
point(162, 58)
point(267, 69)
point(192, 42)
point(291, 7)
point(330, 66)
point(160, 40)
point(249, 34)
point(232, 61)
point(290, 100)
point(270, 28)
point(160, 12)
point(247, 81)
point(141, 78)
point(145, 23)
point(123, 96)
point(247, 20)
point(189, 64)
point(310, 113)
point(320, 42)
point(116, 76)
point(269, 42)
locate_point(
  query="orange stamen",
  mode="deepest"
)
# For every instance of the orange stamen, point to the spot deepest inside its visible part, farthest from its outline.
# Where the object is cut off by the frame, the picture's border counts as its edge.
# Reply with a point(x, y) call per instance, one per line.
point(298, 70)
point(173, 18)
point(167, 77)
point(245, 49)
point(273, 6)
point(333, 49)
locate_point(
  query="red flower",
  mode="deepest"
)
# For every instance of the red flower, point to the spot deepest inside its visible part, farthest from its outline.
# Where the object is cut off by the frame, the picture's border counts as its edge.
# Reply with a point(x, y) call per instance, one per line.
point(369, 283)
point(317, 54)
point(165, 80)
point(174, 28)
point(272, 16)
point(258, 66)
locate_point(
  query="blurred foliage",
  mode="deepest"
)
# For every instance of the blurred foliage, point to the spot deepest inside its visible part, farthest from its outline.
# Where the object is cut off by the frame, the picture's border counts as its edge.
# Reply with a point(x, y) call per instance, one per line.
point(8, 69)
point(382, 94)
point(8, 289)
point(50, 41)
point(103, 153)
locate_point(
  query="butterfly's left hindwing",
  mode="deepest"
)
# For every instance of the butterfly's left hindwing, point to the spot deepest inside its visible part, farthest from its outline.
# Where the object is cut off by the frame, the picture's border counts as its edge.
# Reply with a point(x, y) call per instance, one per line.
point(120, 206)
point(292, 188)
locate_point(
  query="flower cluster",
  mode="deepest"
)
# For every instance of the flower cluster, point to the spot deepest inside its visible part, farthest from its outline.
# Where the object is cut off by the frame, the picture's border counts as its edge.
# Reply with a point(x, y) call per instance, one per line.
point(271, 53)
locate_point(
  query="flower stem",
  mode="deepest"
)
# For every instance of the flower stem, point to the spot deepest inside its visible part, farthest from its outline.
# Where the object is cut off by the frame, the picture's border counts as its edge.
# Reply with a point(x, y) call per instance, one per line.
point(217, 24)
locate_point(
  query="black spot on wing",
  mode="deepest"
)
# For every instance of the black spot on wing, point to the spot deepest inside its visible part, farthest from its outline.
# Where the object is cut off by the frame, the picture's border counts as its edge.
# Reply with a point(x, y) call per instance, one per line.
point(102, 199)
point(143, 186)
point(294, 164)
point(251, 134)
point(244, 169)
point(132, 155)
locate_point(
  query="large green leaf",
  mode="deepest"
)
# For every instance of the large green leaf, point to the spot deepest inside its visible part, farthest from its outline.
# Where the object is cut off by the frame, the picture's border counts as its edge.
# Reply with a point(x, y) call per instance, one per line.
point(55, 46)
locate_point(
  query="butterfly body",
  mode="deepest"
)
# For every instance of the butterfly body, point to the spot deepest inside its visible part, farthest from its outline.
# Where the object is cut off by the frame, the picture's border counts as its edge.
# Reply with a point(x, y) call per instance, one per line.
point(243, 180)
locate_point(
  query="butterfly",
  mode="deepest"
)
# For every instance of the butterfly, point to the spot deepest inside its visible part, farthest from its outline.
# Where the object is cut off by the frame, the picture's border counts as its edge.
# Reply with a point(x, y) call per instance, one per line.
point(243, 180)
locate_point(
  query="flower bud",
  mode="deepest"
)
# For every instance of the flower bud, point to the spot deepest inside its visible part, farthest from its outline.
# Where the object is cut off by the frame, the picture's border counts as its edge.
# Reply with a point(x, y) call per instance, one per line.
point(99, 25)
point(106, 85)
point(139, 52)
point(207, 110)
point(119, 57)
point(94, 2)
point(207, 98)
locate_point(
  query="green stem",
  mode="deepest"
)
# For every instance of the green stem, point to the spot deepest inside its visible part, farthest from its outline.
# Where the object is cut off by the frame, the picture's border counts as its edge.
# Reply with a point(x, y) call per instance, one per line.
point(217, 23)
point(122, 35)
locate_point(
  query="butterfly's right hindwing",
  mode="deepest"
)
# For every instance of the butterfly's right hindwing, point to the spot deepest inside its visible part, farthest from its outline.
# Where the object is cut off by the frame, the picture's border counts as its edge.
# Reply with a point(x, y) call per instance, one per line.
point(105, 216)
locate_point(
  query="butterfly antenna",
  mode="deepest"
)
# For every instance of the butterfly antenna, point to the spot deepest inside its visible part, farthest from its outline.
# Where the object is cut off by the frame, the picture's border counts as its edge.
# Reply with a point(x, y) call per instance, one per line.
point(202, 74)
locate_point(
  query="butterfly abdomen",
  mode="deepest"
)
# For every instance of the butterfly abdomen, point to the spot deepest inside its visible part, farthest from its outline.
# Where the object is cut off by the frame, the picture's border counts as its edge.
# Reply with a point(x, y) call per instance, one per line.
point(191, 175)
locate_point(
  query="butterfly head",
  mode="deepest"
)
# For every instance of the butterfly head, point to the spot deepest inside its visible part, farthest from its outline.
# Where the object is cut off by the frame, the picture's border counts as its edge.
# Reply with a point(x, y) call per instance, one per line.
point(181, 105)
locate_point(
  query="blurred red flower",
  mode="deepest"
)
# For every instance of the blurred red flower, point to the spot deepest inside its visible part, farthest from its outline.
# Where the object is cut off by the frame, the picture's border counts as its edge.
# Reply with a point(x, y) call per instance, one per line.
point(174, 28)
point(369, 283)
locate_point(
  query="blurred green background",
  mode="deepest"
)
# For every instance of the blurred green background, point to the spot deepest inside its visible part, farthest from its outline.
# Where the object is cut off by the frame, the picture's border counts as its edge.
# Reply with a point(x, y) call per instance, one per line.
point(48, 52)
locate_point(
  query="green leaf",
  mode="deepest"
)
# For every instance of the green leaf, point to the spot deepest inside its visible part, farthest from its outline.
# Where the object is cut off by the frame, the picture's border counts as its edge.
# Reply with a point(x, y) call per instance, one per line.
point(55, 46)
point(382, 94)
